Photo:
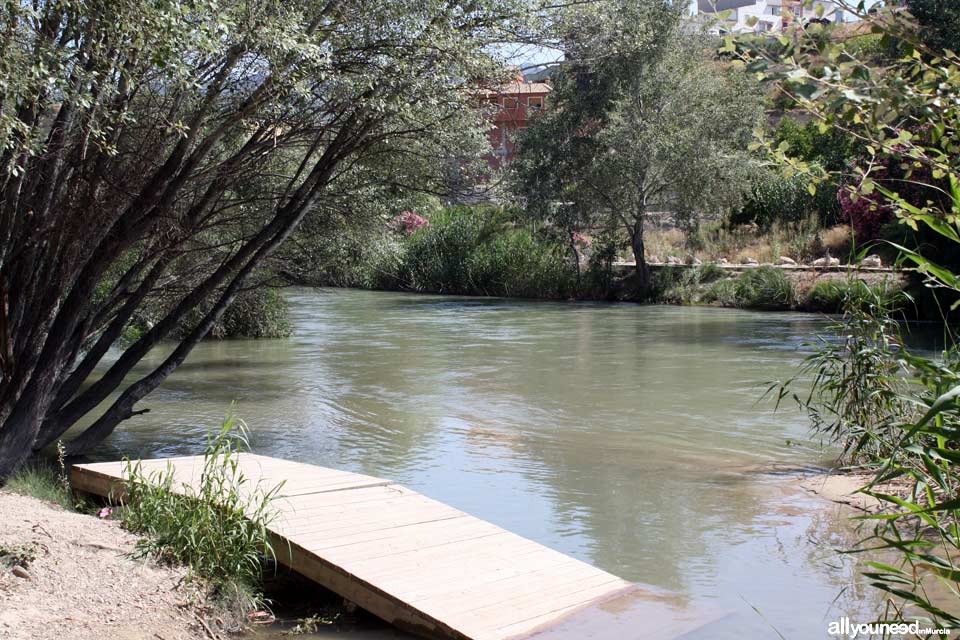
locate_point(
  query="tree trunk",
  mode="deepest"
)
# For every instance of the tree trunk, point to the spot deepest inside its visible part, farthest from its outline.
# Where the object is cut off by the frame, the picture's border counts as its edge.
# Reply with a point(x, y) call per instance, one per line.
point(640, 258)
point(576, 260)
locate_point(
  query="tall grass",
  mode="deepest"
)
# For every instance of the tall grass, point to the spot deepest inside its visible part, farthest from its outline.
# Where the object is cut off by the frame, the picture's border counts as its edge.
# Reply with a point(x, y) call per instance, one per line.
point(833, 296)
point(218, 526)
point(858, 377)
point(680, 285)
point(898, 414)
point(764, 288)
point(47, 480)
point(480, 251)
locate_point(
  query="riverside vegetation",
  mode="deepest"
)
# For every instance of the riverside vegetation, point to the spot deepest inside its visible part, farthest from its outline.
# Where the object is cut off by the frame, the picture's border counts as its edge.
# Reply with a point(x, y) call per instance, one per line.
point(566, 214)
point(325, 144)
point(891, 411)
point(217, 530)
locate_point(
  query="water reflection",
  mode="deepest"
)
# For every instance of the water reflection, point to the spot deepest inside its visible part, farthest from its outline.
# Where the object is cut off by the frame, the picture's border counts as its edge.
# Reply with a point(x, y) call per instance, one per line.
point(628, 436)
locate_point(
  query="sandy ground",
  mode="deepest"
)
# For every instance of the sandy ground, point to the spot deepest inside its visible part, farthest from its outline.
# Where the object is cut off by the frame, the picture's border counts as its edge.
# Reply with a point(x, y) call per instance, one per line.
point(82, 583)
point(843, 488)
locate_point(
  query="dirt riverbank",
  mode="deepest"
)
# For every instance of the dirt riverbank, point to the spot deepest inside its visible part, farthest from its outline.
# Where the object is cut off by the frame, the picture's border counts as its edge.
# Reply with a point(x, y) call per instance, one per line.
point(844, 488)
point(70, 575)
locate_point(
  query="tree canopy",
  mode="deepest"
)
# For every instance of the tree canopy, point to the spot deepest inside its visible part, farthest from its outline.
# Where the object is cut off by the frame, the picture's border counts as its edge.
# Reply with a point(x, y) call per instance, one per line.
point(642, 119)
point(166, 149)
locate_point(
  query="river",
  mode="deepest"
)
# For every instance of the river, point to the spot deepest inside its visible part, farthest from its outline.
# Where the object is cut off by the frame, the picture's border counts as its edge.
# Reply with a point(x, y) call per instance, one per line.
point(631, 437)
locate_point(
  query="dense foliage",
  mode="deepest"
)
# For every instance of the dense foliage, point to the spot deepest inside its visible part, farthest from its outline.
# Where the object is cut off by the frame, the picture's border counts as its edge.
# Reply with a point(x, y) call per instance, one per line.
point(940, 23)
point(895, 410)
point(459, 250)
point(774, 198)
point(641, 120)
point(217, 527)
point(165, 150)
point(478, 251)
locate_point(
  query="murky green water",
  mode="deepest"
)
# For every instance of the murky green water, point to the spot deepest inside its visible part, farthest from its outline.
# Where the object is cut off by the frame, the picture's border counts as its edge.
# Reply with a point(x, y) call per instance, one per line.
point(627, 436)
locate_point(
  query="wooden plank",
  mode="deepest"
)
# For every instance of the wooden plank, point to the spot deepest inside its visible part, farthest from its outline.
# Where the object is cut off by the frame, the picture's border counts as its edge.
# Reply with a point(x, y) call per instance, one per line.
point(415, 562)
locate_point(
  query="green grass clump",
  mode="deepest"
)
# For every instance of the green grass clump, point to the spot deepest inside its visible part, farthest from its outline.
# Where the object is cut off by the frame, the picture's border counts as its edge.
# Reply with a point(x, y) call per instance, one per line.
point(218, 527)
point(682, 285)
point(722, 292)
point(833, 296)
point(21, 555)
point(764, 288)
point(43, 480)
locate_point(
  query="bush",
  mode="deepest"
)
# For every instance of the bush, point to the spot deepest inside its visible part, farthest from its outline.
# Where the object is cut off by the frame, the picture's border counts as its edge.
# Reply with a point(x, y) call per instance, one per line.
point(255, 313)
point(515, 263)
point(680, 285)
point(764, 288)
point(260, 312)
point(773, 198)
point(722, 292)
point(870, 47)
point(826, 296)
point(437, 256)
point(477, 251)
point(382, 266)
point(217, 528)
point(831, 150)
point(833, 296)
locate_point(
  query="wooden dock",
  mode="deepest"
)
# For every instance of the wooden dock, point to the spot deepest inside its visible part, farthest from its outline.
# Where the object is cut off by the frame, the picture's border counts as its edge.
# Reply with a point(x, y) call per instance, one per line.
point(426, 567)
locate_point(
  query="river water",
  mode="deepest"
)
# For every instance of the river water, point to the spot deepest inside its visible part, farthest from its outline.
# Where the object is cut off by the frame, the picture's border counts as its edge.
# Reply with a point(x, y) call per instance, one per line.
point(631, 437)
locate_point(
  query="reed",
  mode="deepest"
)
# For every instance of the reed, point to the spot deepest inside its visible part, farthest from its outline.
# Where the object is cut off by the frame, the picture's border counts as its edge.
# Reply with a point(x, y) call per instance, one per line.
point(217, 527)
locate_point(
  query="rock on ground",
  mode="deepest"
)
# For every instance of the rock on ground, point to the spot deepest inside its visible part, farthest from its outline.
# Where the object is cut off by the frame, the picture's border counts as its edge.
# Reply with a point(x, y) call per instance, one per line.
point(82, 582)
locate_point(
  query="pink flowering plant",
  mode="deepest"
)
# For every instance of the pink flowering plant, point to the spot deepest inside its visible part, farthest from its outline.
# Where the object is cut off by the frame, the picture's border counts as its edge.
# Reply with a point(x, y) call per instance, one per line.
point(867, 208)
point(408, 222)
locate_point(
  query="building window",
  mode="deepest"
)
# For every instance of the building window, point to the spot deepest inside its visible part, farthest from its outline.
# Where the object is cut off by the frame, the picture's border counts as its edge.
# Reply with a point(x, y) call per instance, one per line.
point(774, 11)
point(509, 103)
point(535, 102)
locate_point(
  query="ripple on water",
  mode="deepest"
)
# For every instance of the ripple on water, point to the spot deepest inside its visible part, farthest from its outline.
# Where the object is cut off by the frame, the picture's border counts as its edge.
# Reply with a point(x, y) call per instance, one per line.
point(625, 435)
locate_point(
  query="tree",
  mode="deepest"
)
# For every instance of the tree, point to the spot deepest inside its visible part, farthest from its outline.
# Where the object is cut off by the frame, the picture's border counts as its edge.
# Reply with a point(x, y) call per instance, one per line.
point(641, 120)
point(168, 148)
point(940, 22)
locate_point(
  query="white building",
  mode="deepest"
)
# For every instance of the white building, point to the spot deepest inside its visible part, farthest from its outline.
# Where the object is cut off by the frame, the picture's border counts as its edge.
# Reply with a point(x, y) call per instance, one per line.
point(764, 16)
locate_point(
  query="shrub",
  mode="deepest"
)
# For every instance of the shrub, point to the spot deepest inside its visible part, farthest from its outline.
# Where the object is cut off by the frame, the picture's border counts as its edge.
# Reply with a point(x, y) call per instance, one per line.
point(256, 313)
point(710, 272)
point(764, 288)
point(382, 266)
point(478, 251)
point(437, 256)
point(869, 47)
point(826, 296)
point(259, 312)
point(722, 292)
point(773, 198)
point(218, 527)
point(408, 222)
point(515, 263)
point(831, 150)
point(865, 214)
point(680, 285)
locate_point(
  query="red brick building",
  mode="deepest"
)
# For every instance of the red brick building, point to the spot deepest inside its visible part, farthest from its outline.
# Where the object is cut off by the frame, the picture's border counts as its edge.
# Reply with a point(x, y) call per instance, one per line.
point(514, 105)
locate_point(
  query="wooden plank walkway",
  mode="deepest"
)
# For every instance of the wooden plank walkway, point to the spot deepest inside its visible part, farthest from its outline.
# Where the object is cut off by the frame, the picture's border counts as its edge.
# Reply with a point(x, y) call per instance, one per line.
point(424, 566)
